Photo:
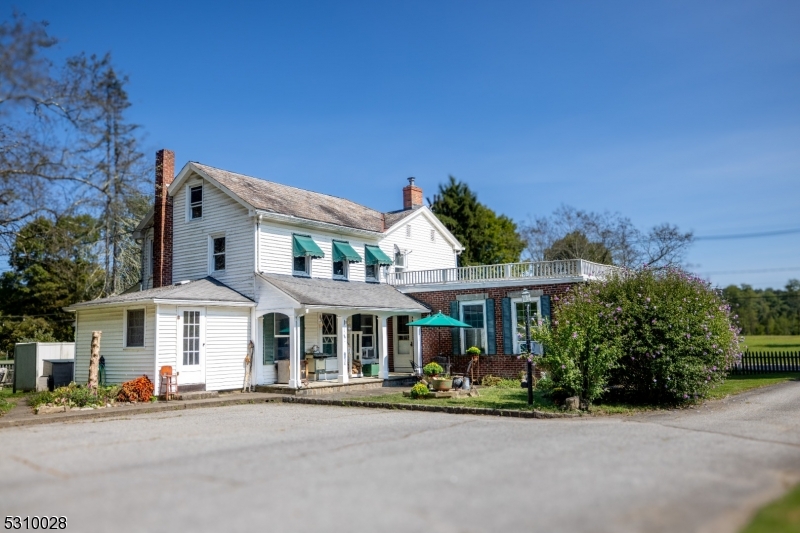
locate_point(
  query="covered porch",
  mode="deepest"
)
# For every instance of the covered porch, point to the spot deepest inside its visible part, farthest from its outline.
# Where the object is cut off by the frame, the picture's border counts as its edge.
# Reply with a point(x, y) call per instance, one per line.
point(315, 334)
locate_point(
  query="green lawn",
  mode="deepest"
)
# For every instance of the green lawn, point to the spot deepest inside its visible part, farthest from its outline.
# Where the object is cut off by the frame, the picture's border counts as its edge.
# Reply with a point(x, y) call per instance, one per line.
point(8, 399)
point(782, 516)
point(773, 343)
point(739, 384)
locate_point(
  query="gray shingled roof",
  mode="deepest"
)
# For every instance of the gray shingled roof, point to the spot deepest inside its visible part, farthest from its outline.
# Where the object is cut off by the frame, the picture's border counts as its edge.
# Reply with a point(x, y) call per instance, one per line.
point(332, 293)
point(205, 290)
point(287, 200)
point(396, 216)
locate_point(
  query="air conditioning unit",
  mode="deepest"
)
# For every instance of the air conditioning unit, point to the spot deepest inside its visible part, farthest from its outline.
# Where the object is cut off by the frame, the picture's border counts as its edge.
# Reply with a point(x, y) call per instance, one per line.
point(474, 337)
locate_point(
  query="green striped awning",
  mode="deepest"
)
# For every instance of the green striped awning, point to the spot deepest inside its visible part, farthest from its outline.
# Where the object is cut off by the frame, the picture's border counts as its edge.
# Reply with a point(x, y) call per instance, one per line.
point(375, 256)
point(304, 246)
point(342, 251)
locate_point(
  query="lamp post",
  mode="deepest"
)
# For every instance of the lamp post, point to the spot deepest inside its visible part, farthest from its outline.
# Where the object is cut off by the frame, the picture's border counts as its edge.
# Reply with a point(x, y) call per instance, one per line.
point(526, 299)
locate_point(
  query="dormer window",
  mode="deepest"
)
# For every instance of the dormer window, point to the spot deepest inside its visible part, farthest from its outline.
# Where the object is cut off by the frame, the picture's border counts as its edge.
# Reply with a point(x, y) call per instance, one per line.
point(304, 249)
point(343, 255)
point(196, 202)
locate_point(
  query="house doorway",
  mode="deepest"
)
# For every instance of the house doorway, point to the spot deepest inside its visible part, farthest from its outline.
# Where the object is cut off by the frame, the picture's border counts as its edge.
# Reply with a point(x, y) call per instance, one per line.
point(354, 350)
point(191, 353)
point(403, 345)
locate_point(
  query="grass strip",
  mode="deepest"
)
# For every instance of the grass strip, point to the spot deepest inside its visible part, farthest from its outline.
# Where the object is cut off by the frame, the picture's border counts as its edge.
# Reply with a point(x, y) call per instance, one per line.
point(782, 516)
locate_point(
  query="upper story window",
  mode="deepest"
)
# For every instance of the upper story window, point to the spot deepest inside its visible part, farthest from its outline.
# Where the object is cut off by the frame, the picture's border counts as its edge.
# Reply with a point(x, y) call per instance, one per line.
point(399, 260)
point(474, 313)
point(196, 202)
point(218, 253)
point(343, 255)
point(374, 259)
point(134, 328)
point(304, 249)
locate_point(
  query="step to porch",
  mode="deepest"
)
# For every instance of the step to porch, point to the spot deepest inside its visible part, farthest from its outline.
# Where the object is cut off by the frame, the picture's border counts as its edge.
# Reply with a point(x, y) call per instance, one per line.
point(197, 395)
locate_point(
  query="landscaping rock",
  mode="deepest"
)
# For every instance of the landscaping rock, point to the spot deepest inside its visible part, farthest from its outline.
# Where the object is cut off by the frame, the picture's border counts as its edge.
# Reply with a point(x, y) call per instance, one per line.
point(572, 403)
point(49, 409)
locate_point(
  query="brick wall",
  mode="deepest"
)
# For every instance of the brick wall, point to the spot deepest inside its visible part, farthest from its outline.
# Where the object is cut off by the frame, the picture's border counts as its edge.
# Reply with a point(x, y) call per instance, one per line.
point(162, 219)
point(437, 341)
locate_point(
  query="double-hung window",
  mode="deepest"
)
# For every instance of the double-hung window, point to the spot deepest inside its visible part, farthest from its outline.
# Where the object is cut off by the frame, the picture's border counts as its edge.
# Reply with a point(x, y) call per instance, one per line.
point(343, 255)
point(282, 332)
point(218, 253)
point(304, 249)
point(374, 260)
point(399, 260)
point(134, 328)
point(474, 314)
point(196, 202)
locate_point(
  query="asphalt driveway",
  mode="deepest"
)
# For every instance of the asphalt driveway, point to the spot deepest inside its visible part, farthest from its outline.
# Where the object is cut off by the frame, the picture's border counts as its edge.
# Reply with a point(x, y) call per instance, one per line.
point(286, 467)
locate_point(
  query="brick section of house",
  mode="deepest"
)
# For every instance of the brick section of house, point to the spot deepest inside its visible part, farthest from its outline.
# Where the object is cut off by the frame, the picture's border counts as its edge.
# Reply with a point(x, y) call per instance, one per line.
point(412, 195)
point(438, 340)
point(162, 219)
point(390, 336)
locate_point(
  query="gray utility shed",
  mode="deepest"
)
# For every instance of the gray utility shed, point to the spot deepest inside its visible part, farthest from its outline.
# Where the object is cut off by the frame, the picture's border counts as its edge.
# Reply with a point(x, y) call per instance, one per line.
point(29, 366)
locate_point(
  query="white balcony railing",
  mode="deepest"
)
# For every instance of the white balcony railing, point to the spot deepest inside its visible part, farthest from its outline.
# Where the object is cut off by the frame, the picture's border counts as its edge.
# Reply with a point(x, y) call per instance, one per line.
point(570, 268)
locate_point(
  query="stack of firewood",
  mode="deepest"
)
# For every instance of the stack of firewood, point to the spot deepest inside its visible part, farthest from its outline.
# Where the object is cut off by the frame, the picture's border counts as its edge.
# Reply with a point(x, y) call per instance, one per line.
point(136, 390)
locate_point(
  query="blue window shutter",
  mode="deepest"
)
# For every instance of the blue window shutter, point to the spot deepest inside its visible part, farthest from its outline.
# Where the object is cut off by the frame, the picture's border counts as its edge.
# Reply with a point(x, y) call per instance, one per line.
point(544, 301)
point(508, 332)
point(302, 336)
point(455, 333)
point(491, 340)
point(269, 339)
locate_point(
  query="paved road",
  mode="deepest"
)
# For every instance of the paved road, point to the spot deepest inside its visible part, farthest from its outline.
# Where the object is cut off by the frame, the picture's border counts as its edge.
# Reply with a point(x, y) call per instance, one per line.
point(283, 467)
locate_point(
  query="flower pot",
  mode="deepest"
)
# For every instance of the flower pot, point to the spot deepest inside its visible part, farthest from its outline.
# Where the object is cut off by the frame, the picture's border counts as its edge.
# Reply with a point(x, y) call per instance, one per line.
point(442, 384)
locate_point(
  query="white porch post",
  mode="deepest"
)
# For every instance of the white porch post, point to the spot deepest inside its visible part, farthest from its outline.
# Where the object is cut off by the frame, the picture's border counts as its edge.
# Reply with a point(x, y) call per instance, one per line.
point(417, 332)
point(341, 341)
point(383, 339)
point(294, 351)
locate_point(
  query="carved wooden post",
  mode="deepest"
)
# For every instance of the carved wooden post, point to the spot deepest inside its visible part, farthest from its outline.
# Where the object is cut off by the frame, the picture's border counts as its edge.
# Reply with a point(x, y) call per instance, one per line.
point(94, 359)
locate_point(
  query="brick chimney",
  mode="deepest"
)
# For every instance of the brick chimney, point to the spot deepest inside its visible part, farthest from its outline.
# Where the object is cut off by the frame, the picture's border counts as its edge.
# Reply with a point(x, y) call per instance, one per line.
point(412, 195)
point(162, 219)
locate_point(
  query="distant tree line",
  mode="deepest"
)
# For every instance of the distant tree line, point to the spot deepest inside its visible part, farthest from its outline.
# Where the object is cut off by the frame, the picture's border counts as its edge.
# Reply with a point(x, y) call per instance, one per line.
point(766, 311)
point(72, 183)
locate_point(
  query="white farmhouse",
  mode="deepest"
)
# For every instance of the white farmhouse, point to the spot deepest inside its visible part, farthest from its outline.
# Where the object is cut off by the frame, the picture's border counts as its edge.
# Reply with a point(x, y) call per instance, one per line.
point(229, 259)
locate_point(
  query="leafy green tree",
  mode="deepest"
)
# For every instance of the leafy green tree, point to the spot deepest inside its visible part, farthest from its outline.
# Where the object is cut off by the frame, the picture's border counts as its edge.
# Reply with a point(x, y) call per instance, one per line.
point(575, 245)
point(53, 265)
point(27, 329)
point(766, 311)
point(487, 238)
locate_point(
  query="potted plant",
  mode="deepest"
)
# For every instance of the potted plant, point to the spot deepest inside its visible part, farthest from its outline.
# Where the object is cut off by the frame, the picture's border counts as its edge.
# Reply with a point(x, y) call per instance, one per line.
point(431, 370)
point(474, 351)
point(442, 383)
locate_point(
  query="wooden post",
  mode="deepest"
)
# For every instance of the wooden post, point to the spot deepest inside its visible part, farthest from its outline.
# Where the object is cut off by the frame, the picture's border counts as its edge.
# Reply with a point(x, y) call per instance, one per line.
point(94, 360)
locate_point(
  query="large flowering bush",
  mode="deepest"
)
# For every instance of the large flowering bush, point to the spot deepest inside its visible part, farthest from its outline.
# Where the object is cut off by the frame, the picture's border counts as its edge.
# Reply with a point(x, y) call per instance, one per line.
point(655, 336)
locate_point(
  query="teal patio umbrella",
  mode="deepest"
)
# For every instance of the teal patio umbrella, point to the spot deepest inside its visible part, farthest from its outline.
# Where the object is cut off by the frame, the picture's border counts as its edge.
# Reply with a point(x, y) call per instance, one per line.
point(439, 321)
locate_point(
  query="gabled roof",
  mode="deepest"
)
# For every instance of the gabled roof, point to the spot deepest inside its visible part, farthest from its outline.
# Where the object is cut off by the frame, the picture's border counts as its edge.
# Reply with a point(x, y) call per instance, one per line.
point(282, 199)
point(207, 290)
point(346, 294)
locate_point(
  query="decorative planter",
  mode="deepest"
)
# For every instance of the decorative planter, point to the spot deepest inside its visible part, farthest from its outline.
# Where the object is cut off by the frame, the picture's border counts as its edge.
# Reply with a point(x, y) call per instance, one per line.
point(442, 384)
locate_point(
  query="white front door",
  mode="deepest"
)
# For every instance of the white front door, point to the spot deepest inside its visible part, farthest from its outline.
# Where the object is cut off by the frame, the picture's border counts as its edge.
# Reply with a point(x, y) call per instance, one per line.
point(191, 347)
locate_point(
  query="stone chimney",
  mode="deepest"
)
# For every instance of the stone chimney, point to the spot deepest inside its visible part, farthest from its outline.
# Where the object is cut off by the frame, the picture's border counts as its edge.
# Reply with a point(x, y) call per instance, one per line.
point(412, 195)
point(162, 219)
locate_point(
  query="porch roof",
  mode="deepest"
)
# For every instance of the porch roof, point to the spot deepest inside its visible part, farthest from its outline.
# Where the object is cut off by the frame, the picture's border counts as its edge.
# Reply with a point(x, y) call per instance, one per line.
point(207, 290)
point(316, 292)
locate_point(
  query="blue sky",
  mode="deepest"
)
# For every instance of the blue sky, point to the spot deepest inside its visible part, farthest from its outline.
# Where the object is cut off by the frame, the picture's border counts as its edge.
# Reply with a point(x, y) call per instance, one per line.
point(681, 112)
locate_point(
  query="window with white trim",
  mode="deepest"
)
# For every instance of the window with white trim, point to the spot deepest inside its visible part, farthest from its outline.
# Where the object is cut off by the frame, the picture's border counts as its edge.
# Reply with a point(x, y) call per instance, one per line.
point(282, 333)
point(371, 272)
point(196, 202)
point(399, 260)
point(473, 312)
point(329, 334)
point(301, 265)
point(518, 319)
point(134, 328)
point(218, 253)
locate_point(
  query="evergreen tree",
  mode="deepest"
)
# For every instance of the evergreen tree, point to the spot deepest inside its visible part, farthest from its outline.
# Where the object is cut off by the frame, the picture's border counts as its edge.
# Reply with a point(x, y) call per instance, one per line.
point(487, 238)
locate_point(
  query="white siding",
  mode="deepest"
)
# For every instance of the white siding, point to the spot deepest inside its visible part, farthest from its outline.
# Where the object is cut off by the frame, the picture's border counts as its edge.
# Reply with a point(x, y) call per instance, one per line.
point(276, 251)
point(425, 254)
point(227, 335)
point(221, 216)
point(122, 364)
point(313, 332)
point(166, 323)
